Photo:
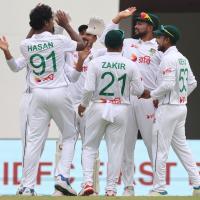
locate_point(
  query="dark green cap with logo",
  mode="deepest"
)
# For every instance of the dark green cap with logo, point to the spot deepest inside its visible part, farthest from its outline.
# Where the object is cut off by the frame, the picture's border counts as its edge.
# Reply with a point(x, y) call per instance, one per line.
point(114, 38)
point(149, 18)
point(170, 31)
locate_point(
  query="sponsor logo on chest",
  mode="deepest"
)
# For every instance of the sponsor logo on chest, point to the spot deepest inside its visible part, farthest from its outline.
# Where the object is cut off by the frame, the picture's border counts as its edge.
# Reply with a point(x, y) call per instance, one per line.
point(144, 60)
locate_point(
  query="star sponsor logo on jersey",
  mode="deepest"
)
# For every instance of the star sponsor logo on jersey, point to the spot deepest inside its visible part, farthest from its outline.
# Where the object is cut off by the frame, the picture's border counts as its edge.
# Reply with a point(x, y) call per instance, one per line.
point(144, 60)
point(133, 57)
point(50, 77)
point(167, 70)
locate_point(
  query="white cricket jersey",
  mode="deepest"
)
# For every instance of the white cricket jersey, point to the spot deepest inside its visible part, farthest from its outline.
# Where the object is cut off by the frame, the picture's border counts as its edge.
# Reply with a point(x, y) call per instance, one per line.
point(45, 56)
point(175, 78)
point(76, 89)
point(146, 57)
point(144, 54)
point(109, 79)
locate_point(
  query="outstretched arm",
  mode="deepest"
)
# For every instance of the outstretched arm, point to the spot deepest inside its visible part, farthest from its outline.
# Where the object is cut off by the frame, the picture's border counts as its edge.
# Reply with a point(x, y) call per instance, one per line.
point(5, 48)
point(15, 65)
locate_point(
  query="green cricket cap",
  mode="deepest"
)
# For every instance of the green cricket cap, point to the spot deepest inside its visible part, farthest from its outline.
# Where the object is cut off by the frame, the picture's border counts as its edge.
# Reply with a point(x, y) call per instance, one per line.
point(170, 31)
point(114, 38)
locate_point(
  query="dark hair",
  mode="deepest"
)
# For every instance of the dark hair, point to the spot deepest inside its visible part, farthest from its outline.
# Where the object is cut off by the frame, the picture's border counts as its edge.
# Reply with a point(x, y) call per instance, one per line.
point(39, 15)
point(82, 28)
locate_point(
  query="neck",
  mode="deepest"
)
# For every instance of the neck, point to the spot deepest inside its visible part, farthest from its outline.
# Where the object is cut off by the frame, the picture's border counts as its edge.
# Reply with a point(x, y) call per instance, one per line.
point(40, 31)
point(147, 37)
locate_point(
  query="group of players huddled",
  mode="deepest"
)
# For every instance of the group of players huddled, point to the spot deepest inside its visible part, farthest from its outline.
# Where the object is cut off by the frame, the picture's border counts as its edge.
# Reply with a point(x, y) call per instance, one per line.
point(129, 85)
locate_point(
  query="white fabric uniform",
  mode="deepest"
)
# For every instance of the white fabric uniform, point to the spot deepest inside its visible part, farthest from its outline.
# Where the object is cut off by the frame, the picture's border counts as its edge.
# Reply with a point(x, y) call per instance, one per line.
point(141, 111)
point(108, 84)
point(176, 83)
point(147, 59)
point(17, 65)
point(76, 88)
point(45, 56)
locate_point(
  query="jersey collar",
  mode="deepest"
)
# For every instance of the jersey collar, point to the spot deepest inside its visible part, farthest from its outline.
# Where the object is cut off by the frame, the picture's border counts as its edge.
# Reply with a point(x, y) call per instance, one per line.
point(170, 49)
point(114, 53)
point(152, 41)
point(41, 35)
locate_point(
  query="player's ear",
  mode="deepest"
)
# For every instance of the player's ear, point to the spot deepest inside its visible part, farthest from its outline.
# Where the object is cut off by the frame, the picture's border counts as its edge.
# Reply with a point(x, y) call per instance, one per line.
point(150, 28)
point(168, 40)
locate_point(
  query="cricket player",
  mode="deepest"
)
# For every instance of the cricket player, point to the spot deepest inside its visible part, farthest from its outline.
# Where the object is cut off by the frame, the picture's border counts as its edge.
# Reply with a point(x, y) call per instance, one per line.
point(45, 55)
point(90, 33)
point(176, 82)
point(19, 64)
point(143, 52)
point(107, 85)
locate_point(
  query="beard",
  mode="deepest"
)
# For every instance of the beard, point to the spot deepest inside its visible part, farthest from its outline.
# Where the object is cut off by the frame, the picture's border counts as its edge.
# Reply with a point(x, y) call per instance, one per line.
point(140, 34)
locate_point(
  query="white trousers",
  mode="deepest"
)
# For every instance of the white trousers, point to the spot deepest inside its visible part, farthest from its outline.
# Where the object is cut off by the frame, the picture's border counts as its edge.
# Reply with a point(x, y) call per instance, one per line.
point(169, 130)
point(114, 132)
point(47, 104)
point(140, 117)
point(23, 115)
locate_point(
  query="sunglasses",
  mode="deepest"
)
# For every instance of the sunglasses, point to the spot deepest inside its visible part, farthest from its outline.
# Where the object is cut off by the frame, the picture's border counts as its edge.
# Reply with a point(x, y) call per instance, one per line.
point(144, 15)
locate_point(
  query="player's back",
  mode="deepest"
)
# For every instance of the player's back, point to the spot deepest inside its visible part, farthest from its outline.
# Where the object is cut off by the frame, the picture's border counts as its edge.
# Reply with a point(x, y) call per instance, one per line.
point(114, 74)
point(45, 55)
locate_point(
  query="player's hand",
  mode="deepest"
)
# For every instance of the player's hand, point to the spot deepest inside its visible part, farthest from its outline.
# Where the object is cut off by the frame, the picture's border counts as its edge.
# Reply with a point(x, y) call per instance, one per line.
point(62, 18)
point(124, 14)
point(81, 110)
point(82, 55)
point(155, 103)
point(145, 95)
point(4, 44)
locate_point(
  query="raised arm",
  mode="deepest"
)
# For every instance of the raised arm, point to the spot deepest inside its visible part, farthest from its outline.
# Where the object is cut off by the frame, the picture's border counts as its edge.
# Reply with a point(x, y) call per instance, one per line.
point(124, 14)
point(5, 48)
point(114, 24)
point(63, 21)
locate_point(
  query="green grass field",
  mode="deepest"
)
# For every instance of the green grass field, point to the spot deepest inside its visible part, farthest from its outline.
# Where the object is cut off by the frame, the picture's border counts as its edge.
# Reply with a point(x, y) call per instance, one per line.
point(98, 198)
